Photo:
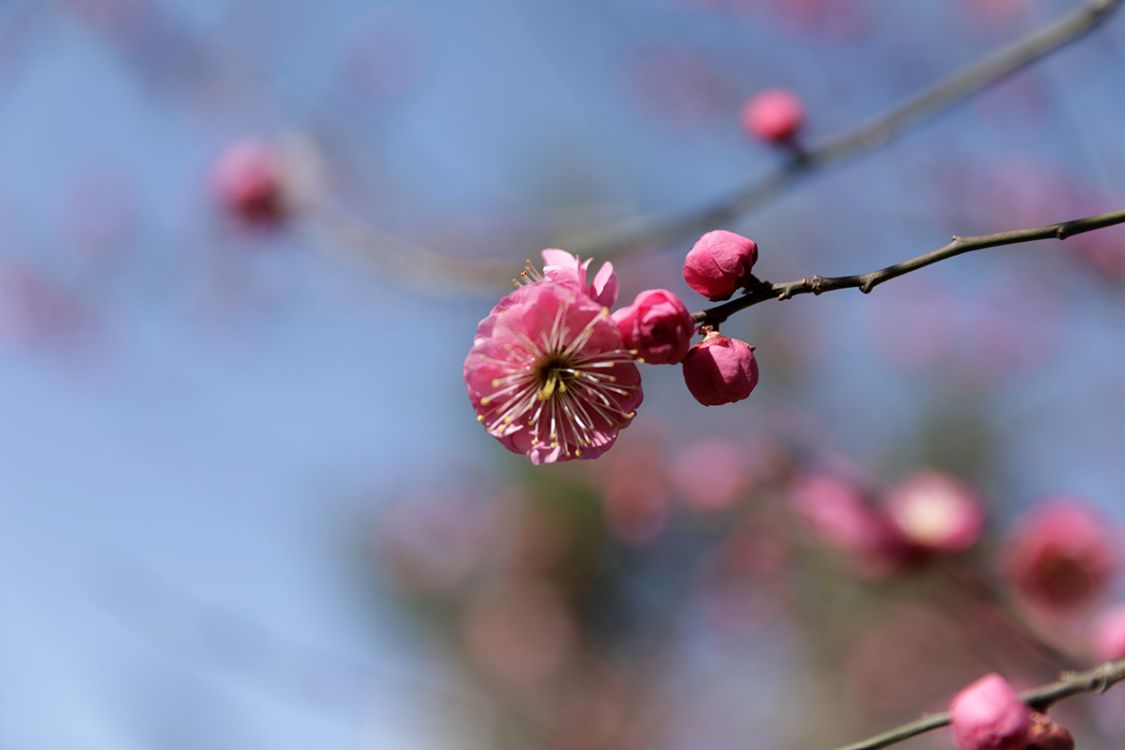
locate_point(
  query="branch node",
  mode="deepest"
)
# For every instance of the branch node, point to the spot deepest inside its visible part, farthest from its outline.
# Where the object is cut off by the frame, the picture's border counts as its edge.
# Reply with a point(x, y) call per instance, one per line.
point(815, 284)
point(1103, 680)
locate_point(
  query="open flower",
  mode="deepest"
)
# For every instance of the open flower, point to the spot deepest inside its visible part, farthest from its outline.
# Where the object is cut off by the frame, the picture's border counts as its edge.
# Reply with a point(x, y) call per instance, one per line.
point(548, 374)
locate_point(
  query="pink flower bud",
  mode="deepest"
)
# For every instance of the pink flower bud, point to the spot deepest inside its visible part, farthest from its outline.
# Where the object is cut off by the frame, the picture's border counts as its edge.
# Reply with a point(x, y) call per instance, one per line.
point(249, 183)
point(988, 715)
point(720, 370)
point(774, 115)
point(1046, 734)
point(935, 513)
point(658, 326)
point(1061, 555)
point(1109, 634)
point(720, 264)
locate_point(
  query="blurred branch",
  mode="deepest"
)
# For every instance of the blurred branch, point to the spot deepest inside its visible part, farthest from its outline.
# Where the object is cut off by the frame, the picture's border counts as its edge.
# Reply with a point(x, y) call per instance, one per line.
point(1096, 680)
point(648, 233)
point(996, 605)
point(413, 265)
point(651, 233)
point(763, 291)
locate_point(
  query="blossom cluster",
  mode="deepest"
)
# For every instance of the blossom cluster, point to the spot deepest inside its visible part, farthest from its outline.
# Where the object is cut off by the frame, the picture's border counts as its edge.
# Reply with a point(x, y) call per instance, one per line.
point(926, 515)
point(552, 373)
point(1058, 561)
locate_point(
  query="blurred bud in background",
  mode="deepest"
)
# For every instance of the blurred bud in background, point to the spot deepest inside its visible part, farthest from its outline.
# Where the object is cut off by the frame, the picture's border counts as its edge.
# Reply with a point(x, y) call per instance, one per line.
point(1061, 555)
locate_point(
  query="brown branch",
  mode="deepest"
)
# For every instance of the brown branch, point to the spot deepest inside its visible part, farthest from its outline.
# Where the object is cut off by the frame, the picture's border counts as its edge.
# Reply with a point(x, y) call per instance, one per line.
point(650, 233)
point(1096, 680)
point(763, 291)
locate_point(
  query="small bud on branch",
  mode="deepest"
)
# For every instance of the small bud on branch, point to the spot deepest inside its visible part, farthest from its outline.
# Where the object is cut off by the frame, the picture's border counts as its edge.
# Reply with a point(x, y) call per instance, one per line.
point(1096, 680)
point(763, 291)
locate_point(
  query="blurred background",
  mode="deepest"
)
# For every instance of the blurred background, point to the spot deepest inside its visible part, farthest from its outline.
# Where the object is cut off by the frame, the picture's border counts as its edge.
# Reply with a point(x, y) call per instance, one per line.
point(243, 499)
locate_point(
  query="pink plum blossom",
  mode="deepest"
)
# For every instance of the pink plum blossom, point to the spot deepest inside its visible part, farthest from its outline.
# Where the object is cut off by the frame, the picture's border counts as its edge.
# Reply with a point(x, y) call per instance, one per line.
point(658, 326)
point(935, 513)
point(720, 264)
point(1061, 555)
point(836, 513)
point(559, 265)
point(988, 715)
point(774, 115)
point(720, 370)
point(549, 376)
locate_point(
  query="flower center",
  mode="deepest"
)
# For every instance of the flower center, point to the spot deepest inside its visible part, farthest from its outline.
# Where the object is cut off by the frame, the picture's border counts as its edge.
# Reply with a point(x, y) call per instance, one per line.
point(553, 374)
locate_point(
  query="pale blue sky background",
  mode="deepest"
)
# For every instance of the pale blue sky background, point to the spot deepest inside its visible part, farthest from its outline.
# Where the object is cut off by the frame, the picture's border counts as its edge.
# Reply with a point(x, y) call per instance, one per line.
point(193, 455)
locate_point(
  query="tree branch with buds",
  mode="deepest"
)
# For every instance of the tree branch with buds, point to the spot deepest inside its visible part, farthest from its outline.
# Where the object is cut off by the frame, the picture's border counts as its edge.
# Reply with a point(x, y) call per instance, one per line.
point(763, 291)
point(642, 234)
point(650, 233)
point(1096, 680)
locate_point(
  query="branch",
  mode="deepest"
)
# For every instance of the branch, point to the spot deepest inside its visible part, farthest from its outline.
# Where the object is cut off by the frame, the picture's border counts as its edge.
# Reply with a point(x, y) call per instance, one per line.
point(762, 291)
point(1096, 680)
point(648, 233)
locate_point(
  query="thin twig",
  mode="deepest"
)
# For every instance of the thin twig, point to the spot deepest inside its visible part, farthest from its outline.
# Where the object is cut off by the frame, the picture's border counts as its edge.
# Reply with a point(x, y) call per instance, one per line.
point(1096, 680)
point(997, 606)
point(762, 291)
point(651, 233)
